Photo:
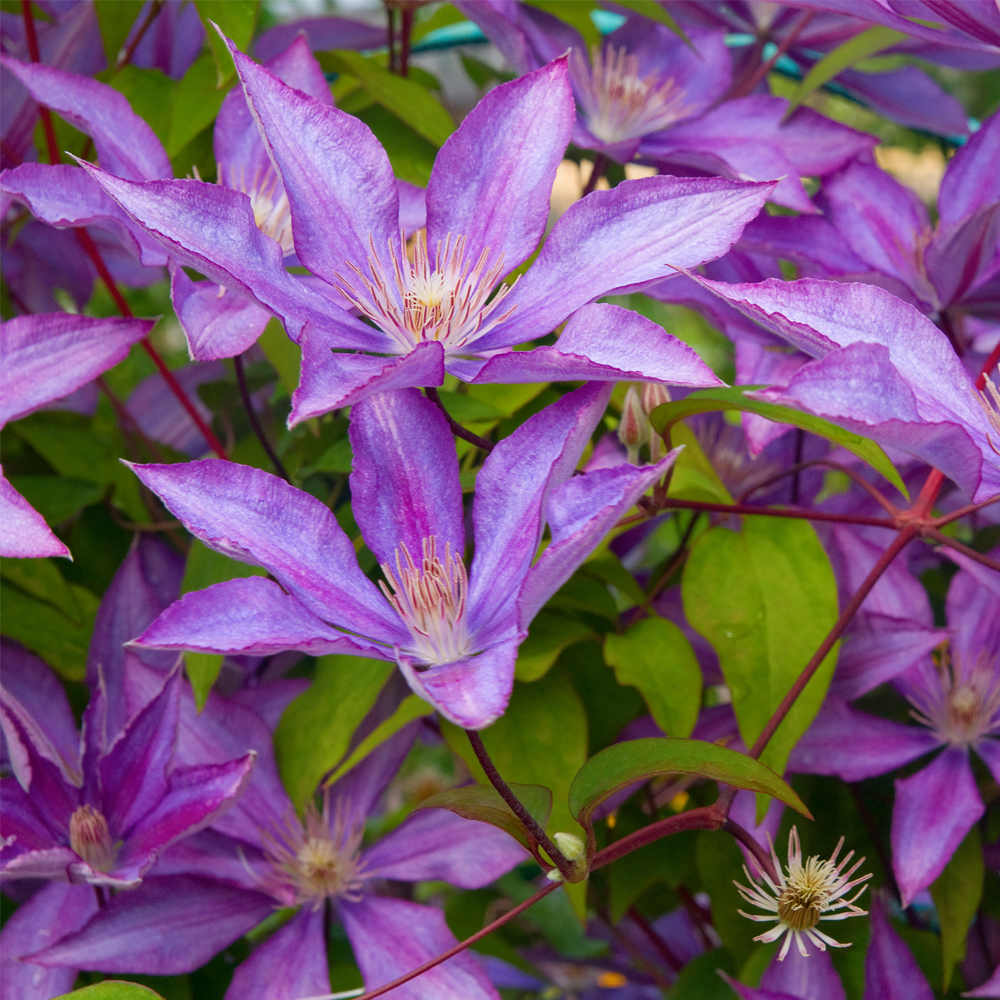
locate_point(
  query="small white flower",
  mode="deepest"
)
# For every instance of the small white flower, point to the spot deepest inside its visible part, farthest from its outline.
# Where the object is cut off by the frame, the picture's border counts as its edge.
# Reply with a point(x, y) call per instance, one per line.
point(807, 894)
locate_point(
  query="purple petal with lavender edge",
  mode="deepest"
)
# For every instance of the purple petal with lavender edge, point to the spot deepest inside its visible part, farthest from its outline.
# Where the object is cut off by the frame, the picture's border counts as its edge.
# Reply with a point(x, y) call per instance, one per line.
point(291, 963)
point(23, 531)
point(392, 936)
point(166, 927)
point(325, 157)
point(630, 235)
point(472, 692)
point(250, 616)
point(125, 144)
point(504, 155)
point(322, 34)
point(405, 490)
point(511, 490)
point(438, 845)
point(258, 518)
point(935, 808)
point(580, 513)
point(973, 608)
point(891, 972)
point(853, 745)
point(966, 185)
point(812, 978)
point(85, 346)
point(55, 910)
point(332, 379)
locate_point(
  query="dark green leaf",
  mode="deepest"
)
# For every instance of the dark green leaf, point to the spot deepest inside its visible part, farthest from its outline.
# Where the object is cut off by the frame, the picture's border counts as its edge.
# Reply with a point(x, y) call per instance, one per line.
point(411, 155)
point(283, 353)
point(61, 643)
point(237, 20)
point(483, 74)
point(736, 398)
point(700, 979)
point(316, 729)
point(56, 498)
point(623, 764)
point(404, 97)
point(693, 477)
point(956, 893)
point(765, 599)
point(41, 578)
point(116, 20)
point(655, 657)
point(111, 989)
point(196, 103)
point(584, 593)
point(149, 91)
point(483, 803)
point(548, 636)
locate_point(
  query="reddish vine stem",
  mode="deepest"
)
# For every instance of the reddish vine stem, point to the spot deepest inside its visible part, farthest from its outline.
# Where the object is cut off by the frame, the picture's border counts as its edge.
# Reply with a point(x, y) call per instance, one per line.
point(406, 28)
point(747, 86)
point(456, 428)
point(702, 818)
point(126, 56)
point(255, 424)
point(952, 543)
point(90, 247)
point(940, 522)
point(764, 861)
point(462, 945)
point(737, 508)
point(516, 807)
point(661, 946)
point(600, 165)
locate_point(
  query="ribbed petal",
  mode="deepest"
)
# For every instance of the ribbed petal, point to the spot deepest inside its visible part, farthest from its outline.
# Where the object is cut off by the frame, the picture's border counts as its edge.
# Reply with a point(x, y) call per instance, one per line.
point(935, 808)
point(23, 531)
point(971, 182)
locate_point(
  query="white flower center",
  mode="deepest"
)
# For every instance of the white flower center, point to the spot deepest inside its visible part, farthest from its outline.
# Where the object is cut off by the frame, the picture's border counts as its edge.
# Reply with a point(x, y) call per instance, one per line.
point(617, 103)
point(271, 211)
point(968, 704)
point(449, 302)
point(431, 599)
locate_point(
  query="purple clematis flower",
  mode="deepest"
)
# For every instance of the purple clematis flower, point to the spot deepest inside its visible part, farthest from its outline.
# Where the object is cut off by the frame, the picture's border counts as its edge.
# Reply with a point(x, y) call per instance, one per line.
point(46, 358)
point(956, 698)
point(453, 634)
point(645, 94)
point(211, 888)
point(882, 369)
point(487, 206)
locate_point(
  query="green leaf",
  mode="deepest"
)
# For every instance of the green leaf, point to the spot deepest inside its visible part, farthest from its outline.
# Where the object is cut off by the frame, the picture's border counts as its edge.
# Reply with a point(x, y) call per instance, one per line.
point(116, 20)
point(854, 50)
point(575, 13)
point(956, 893)
point(204, 568)
point(765, 599)
point(283, 353)
point(403, 97)
point(41, 578)
point(656, 12)
point(316, 729)
point(694, 477)
point(540, 740)
point(149, 91)
point(700, 979)
point(655, 657)
point(60, 642)
point(623, 764)
point(720, 863)
point(56, 498)
point(410, 708)
point(411, 155)
point(196, 102)
point(710, 400)
point(237, 20)
point(483, 803)
point(111, 989)
point(548, 636)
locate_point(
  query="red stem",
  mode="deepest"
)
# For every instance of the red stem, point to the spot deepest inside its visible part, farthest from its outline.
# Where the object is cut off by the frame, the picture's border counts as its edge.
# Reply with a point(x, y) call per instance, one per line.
point(801, 513)
point(990, 362)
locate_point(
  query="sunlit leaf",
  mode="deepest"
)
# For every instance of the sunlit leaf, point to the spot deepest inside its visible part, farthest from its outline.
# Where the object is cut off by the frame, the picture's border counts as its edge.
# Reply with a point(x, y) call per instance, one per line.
point(237, 20)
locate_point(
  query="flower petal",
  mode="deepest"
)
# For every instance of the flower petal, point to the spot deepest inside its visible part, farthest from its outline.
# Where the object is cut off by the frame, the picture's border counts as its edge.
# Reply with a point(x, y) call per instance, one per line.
point(935, 808)
point(891, 971)
point(392, 936)
point(966, 185)
point(23, 531)
point(404, 489)
point(812, 978)
point(258, 518)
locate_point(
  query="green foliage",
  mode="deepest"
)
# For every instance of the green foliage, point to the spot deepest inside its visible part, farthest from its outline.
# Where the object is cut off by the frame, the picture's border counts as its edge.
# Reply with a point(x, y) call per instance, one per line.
point(765, 598)
point(236, 20)
point(196, 103)
point(112, 989)
point(116, 21)
point(548, 636)
point(316, 729)
point(956, 893)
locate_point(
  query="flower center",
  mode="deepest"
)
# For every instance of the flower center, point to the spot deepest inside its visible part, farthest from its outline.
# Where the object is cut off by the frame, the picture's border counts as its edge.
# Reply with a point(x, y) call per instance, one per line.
point(316, 860)
point(271, 211)
point(800, 904)
point(90, 838)
point(968, 705)
point(431, 600)
point(989, 399)
point(449, 302)
point(620, 105)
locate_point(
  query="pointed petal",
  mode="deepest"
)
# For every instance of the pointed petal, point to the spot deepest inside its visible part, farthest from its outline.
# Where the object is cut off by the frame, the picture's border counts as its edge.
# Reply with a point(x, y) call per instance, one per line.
point(812, 978)
point(437, 844)
point(248, 617)
point(51, 864)
point(511, 490)
point(891, 971)
point(965, 255)
point(854, 745)
point(125, 144)
point(23, 531)
point(55, 910)
point(472, 692)
point(325, 157)
point(322, 34)
point(989, 750)
point(392, 936)
point(167, 927)
point(492, 180)
point(629, 235)
point(991, 988)
point(973, 608)
point(85, 347)
point(935, 808)
point(334, 379)
point(404, 489)
point(197, 796)
point(966, 185)
point(258, 518)
point(291, 963)
point(580, 513)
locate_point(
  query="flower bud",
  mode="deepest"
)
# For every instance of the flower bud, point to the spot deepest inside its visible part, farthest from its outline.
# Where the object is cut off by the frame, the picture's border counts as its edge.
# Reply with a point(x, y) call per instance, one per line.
point(654, 395)
point(90, 838)
point(633, 431)
point(572, 847)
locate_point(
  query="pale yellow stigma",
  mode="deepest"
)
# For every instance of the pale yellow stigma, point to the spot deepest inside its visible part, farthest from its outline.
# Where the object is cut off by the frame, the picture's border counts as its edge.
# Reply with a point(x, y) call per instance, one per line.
point(272, 213)
point(989, 399)
point(90, 838)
